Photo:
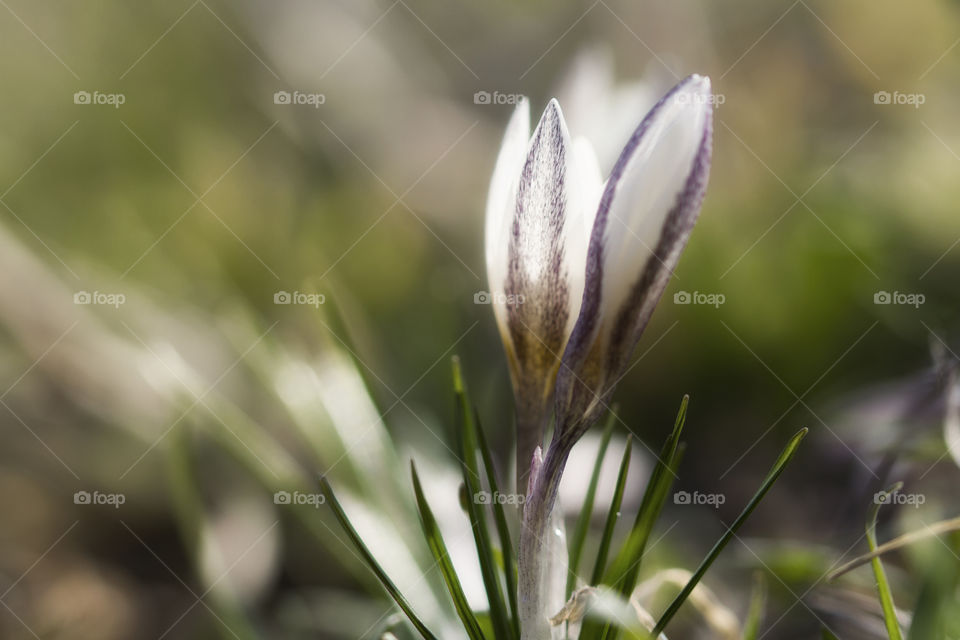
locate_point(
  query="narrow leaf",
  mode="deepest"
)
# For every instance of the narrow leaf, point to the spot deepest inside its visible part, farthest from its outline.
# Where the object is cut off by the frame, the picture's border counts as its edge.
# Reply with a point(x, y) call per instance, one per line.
point(626, 568)
point(768, 482)
point(435, 541)
point(466, 431)
point(623, 572)
point(936, 600)
point(612, 516)
point(883, 587)
point(583, 521)
point(628, 575)
point(758, 602)
point(503, 531)
point(371, 562)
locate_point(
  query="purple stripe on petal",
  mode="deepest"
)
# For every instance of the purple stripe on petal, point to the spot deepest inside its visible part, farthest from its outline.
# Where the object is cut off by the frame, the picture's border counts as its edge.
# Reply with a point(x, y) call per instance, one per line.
point(591, 361)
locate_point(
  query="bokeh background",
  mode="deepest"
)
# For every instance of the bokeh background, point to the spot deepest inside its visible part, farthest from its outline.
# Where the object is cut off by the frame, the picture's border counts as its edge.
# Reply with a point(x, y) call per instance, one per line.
point(203, 195)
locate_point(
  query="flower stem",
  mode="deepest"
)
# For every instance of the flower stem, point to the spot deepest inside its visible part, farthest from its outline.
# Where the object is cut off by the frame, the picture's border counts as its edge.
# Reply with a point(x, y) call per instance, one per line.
point(536, 538)
point(530, 424)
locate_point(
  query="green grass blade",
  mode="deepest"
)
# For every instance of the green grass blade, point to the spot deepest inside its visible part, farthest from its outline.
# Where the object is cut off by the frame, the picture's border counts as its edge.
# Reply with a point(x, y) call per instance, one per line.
point(625, 569)
point(623, 572)
point(372, 562)
point(624, 577)
point(758, 603)
point(189, 515)
point(435, 541)
point(936, 602)
point(469, 444)
point(583, 522)
point(826, 634)
point(503, 531)
point(883, 586)
point(612, 516)
point(768, 482)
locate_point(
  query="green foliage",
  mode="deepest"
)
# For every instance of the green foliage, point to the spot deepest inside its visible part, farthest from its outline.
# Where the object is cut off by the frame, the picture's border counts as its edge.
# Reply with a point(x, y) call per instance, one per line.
point(498, 566)
point(768, 482)
point(758, 602)
point(883, 587)
point(612, 515)
point(469, 445)
point(583, 521)
point(439, 550)
point(371, 562)
point(509, 562)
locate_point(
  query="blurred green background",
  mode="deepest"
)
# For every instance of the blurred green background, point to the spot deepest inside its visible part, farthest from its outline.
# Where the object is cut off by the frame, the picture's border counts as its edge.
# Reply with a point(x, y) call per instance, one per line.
point(200, 197)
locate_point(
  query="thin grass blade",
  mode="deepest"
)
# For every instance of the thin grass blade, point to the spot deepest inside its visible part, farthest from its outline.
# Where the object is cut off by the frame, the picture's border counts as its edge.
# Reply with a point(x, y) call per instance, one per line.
point(371, 562)
point(469, 444)
point(625, 569)
point(883, 586)
point(758, 603)
point(435, 541)
point(503, 531)
point(768, 482)
point(612, 516)
point(583, 521)
point(623, 572)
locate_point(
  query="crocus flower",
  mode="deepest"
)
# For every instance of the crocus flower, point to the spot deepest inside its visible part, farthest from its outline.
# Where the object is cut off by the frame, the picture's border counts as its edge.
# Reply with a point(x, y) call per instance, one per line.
point(590, 261)
point(539, 214)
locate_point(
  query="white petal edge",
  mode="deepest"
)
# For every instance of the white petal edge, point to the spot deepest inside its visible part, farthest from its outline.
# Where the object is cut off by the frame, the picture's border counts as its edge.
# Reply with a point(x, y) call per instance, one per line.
point(586, 187)
point(501, 200)
point(647, 191)
point(548, 177)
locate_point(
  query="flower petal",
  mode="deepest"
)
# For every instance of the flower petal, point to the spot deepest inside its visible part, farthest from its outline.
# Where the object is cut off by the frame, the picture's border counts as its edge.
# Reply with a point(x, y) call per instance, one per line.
point(538, 269)
point(501, 201)
point(648, 208)
point(585, 190)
